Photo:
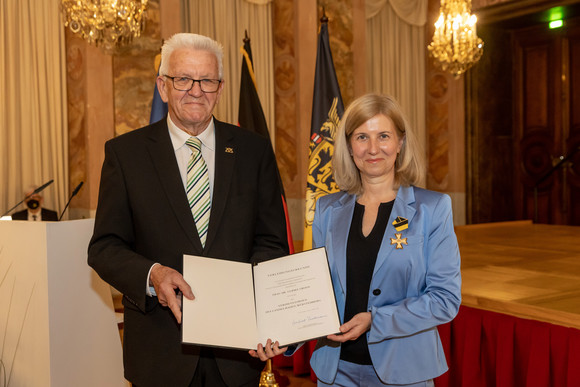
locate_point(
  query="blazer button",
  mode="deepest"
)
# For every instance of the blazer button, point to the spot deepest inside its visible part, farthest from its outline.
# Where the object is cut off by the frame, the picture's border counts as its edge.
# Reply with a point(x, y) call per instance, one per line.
point(376, 292)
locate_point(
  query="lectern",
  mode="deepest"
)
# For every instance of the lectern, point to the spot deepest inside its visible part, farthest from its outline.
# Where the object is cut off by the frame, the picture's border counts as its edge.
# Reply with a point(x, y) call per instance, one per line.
point(57, 321)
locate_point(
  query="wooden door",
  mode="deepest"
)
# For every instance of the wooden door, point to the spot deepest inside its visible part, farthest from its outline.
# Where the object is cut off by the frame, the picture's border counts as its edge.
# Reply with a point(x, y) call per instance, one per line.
point(547, 123)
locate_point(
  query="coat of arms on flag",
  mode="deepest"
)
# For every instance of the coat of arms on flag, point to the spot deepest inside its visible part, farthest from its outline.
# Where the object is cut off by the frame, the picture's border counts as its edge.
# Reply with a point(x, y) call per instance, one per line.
point(327, 109)
point(319, 181)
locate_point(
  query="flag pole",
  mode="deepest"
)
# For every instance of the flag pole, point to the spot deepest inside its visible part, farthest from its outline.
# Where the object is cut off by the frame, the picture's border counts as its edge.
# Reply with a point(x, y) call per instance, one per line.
point(267, 377)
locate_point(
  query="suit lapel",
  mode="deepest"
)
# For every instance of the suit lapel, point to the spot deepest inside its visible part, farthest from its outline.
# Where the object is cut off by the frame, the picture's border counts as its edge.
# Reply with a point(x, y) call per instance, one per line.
point(402, 207)
point(225, 157)
point(163, 158)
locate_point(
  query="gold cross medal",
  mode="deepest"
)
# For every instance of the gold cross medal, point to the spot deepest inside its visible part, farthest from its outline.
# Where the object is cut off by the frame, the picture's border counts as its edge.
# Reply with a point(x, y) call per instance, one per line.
point(400, 224)
point(399, 241)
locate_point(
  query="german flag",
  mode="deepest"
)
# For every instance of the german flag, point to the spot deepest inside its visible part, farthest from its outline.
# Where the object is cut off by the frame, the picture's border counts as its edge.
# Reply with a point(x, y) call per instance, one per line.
point(251, 116)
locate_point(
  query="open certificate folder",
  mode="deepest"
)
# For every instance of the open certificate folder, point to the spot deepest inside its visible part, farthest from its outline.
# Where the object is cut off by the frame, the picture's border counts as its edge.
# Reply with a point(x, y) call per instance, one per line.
point(237, 305)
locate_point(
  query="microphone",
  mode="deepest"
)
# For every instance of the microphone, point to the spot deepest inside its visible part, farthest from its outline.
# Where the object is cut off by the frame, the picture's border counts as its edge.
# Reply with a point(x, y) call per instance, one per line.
point(42, 187)
point(77, 189)
point(73, 194)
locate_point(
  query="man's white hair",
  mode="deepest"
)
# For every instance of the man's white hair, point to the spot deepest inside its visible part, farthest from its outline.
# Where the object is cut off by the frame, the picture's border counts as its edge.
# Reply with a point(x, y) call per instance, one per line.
point(190, 41)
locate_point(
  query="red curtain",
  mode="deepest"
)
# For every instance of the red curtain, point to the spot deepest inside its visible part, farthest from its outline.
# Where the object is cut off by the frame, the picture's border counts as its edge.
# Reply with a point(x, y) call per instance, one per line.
point(493, 349)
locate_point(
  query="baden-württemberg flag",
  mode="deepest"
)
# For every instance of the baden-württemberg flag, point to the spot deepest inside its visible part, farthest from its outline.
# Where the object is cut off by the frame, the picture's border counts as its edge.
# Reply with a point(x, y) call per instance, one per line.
point(251, 116)
point(327, 109)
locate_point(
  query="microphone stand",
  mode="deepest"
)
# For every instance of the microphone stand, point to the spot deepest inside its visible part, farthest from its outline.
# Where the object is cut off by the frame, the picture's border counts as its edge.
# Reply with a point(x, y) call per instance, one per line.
point(19, 203)
point(75, 191)
point(548, 174)
point(39, 189)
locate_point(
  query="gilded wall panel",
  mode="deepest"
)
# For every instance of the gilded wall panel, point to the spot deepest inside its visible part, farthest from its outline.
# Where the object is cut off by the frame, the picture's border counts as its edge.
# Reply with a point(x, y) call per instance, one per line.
point(134, 75)
point(285, 96)
point(76, 103)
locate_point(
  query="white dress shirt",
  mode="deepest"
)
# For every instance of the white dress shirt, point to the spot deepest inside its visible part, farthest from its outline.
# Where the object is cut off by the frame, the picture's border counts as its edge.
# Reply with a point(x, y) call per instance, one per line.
point(183, 152)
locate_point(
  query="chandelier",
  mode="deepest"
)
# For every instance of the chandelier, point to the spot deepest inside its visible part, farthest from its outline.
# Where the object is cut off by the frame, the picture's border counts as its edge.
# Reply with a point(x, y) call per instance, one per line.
point(455, 44)
point(109, 24)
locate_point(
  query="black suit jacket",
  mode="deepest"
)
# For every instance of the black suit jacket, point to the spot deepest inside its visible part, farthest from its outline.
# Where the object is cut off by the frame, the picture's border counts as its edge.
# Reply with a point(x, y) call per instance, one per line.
point(45, 214)
point(143, 217)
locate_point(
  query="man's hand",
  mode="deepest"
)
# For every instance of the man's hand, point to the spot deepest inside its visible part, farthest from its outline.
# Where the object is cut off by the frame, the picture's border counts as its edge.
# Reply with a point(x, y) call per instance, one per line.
point(166, 281)
point(267, 352)
point(351, 330)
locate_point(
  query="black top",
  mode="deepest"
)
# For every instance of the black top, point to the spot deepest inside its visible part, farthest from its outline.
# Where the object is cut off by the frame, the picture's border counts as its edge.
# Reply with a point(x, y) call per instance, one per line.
point(361, 255)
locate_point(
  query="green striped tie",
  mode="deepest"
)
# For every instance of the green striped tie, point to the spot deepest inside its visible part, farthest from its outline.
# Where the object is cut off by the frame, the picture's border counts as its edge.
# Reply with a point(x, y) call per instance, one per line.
point(198, 188)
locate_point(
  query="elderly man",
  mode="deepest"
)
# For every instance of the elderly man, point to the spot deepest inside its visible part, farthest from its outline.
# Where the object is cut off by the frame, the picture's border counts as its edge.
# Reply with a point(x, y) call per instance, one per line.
point(188, 184)
point(34, 210)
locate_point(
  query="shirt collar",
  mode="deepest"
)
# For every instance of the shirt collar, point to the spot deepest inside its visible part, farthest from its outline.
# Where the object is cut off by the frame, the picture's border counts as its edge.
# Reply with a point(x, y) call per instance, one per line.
point(179, 137)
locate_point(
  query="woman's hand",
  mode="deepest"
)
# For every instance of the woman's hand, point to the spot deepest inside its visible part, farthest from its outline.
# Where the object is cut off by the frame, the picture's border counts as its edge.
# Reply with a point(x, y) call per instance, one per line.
point(351, 330)
point(267, 352)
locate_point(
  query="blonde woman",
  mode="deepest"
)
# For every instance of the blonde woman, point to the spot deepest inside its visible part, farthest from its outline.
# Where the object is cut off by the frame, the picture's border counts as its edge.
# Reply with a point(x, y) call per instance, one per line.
point(392, 251)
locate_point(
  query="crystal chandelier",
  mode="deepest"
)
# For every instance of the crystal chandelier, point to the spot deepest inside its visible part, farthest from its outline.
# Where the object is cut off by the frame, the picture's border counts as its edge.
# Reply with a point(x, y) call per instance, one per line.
point(455, 44)
point(109, 24)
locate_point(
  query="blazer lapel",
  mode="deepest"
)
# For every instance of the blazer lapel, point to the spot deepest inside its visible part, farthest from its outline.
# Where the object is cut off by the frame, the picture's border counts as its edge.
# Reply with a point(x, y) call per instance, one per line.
point(342, 219)
point(163, 157)
point(402, 207)
point(225, 158)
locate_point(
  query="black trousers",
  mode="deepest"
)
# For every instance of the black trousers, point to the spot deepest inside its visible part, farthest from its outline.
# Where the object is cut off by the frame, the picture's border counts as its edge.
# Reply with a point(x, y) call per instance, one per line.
point(207, 373)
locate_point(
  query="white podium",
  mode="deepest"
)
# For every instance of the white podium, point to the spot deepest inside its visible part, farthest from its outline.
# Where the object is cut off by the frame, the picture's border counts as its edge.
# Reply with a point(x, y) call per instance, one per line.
point(57, 321)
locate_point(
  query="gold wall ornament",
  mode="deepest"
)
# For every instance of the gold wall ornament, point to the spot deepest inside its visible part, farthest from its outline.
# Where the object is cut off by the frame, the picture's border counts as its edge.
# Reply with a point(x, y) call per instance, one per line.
point(455, 46)
point(109, 24)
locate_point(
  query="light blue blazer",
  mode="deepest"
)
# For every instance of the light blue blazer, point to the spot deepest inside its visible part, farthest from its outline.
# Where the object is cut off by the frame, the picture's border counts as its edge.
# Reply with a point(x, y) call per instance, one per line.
point(412, 291)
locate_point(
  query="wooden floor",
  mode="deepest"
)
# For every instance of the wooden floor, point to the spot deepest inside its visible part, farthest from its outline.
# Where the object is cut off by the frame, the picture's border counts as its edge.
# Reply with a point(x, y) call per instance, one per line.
point(285, 377)
point(522, 269)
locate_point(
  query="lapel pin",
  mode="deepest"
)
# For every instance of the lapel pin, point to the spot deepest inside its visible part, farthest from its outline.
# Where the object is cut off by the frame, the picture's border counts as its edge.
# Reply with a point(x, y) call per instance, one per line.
point(399, 241)
point(229, 149)
point(400, 223)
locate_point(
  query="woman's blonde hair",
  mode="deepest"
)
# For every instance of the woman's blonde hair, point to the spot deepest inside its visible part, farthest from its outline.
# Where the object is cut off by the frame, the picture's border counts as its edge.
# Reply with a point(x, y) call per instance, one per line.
point(409, 165)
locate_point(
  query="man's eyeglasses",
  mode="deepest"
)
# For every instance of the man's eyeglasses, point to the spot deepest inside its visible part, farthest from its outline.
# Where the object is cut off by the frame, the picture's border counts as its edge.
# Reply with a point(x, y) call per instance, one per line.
point(186, 84)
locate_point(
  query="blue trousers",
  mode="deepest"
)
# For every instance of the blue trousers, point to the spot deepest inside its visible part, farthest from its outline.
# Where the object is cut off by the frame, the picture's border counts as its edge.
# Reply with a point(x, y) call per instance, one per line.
point(351, 375)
